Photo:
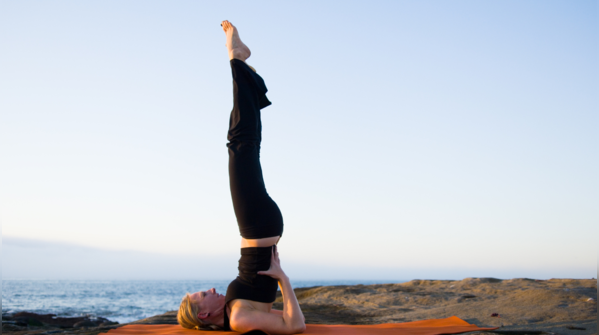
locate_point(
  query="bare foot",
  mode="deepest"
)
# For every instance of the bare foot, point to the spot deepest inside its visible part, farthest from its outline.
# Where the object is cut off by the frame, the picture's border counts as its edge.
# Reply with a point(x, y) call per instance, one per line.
point(236, 48)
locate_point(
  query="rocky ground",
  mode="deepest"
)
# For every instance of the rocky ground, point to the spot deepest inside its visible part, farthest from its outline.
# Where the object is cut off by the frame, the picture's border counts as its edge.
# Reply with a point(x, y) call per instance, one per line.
point(31, 323)
point(518, 306)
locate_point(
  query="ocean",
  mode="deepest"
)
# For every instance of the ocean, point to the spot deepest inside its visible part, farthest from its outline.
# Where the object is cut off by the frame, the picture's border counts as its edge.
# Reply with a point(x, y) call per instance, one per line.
point(117, 300)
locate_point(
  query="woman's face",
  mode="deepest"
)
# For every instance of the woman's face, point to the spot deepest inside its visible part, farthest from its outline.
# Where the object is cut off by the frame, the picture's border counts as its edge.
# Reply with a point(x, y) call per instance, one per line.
point(209, 301)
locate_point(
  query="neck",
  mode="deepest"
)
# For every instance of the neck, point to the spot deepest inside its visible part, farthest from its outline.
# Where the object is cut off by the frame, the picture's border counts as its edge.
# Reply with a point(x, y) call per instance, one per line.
point(219, 317)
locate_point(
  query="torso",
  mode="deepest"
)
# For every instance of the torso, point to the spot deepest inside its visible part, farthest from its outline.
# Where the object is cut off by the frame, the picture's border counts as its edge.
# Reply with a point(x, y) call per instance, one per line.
point(261, 242)
point(238, 305)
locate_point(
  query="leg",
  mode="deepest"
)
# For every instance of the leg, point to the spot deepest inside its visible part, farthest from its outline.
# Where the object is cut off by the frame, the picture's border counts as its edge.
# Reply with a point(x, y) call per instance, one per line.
point(257, 214)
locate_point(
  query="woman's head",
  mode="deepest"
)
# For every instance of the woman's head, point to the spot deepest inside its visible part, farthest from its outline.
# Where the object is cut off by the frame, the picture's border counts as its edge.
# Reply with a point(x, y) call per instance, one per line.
point(202, 310)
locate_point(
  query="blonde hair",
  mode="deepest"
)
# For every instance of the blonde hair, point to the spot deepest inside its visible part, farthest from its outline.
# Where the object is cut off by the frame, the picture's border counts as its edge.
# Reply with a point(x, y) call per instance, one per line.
point(188, 316)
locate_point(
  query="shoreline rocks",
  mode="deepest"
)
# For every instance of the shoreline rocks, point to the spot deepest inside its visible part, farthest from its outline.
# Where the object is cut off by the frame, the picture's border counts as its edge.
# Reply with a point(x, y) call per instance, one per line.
point(32, 323)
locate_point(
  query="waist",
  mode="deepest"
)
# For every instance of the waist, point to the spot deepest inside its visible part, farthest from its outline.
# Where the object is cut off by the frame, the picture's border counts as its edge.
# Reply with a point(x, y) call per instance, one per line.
point(260, 242)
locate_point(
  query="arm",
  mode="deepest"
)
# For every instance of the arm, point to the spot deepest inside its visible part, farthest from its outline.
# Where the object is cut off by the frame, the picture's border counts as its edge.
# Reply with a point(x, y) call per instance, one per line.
point(292, 313)
point(288, 321)
point(279, 312)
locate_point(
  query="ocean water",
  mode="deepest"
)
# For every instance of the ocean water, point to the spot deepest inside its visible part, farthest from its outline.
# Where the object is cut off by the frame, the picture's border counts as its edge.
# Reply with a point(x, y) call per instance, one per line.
point(117, 300)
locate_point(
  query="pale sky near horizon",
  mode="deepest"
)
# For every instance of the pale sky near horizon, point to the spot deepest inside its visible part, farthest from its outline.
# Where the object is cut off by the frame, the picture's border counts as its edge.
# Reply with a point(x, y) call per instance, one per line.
point(403, 134)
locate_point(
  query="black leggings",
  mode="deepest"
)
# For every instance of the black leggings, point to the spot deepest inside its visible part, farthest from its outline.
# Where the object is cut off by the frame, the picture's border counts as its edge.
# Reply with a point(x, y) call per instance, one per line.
point(258, 216)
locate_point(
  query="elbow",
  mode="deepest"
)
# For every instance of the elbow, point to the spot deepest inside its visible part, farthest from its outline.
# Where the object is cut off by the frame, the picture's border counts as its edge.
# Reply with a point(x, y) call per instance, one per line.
point(300, 328)
point(296, 328)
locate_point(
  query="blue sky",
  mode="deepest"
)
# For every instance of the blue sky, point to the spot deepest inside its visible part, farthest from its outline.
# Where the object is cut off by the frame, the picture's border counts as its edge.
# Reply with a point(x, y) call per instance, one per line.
point(439, 139)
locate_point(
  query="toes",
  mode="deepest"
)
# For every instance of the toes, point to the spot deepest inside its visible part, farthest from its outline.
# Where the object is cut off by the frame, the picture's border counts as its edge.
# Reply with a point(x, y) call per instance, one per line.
point(225, 24)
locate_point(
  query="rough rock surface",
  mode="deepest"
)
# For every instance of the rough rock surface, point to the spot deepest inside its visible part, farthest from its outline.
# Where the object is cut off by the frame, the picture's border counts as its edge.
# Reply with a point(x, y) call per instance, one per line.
point(518, 306)
point(553, 306)
point(517, 301)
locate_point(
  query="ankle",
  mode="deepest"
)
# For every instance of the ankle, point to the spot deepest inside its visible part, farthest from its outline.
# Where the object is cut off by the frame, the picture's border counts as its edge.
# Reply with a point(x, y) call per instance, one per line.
point(237, 54)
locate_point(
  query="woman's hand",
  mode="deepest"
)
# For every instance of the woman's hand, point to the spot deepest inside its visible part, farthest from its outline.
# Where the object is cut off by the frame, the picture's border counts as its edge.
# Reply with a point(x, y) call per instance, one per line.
point(275, 271)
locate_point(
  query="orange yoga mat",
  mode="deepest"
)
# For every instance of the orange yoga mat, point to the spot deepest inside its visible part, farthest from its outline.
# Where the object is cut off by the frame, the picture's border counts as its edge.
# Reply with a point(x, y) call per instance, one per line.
point(452, 325)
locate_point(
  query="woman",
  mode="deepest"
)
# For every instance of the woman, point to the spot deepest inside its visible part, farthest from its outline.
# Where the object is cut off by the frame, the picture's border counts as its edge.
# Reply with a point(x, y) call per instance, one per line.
point(247, 304)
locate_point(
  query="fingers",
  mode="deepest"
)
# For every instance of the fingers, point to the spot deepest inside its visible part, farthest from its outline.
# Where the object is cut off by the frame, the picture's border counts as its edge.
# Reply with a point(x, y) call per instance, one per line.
point(265, 273)
point(275, 254)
